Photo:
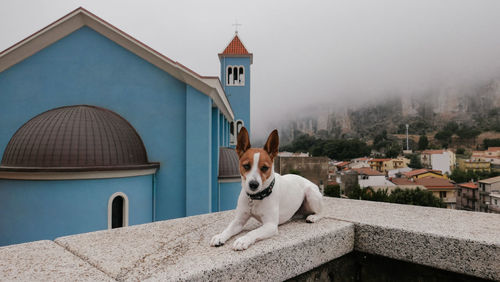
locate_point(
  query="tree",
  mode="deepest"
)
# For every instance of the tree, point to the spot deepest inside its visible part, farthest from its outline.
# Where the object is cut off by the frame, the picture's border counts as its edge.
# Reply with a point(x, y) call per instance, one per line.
point(460, 151)
point(332, 191)
point(491, 143)
point(415, 162)
point(400, 196)
point(444, 137)
point(338, 149)
point(423, 142)
point(415, 197)
point(461, 176)
point(451, 126)
point(393, 152)
point(354, 192)
point(466, 132)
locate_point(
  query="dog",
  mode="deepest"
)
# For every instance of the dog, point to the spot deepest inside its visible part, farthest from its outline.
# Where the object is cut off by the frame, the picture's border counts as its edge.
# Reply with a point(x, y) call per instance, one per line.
point(270, 198)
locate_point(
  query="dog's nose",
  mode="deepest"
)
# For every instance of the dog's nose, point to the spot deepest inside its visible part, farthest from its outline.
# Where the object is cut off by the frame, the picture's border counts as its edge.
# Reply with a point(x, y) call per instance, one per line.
point(253, 185)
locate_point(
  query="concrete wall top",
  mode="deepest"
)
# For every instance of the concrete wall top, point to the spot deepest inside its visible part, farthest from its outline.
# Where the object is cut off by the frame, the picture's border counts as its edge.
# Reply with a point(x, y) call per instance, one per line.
point(45, 261)
point(459, 241)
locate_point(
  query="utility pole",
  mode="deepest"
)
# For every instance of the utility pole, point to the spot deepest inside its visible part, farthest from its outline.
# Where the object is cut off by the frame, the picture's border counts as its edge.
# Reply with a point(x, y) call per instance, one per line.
point(407, 144)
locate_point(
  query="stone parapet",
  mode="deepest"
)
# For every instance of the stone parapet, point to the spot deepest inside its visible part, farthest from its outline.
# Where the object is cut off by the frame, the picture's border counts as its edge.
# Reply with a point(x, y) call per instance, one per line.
point(458, 241)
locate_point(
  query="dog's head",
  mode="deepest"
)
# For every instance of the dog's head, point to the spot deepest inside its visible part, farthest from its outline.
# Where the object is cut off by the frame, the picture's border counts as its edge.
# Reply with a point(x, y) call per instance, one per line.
point(256, 164)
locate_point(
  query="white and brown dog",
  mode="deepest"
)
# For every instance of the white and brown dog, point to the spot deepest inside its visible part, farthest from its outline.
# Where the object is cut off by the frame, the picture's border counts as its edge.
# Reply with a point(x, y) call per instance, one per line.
point(270, 198)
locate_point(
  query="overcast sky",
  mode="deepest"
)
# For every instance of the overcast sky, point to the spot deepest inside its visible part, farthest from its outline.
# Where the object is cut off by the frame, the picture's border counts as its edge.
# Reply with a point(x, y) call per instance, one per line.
point(305, 53)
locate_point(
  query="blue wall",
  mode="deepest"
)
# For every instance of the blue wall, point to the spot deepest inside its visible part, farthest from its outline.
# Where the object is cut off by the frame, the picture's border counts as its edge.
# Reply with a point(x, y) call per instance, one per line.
point(238, 96)
point(87, 68)
point(173, 119)
point(198, 152)
point(38, 210)
point(215, 158)
point(229, 193)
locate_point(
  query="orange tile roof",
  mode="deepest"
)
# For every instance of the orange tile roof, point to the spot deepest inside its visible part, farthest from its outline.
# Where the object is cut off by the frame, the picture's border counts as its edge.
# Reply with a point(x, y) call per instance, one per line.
point(367, 171)
point(421, 171)
point(435, 183)
point(363, 159)
point(431, 152)
point(495, 149)
point(341, 164)
point(402, 181)
point(235, 47)
point(380, 160)
point(470, 185)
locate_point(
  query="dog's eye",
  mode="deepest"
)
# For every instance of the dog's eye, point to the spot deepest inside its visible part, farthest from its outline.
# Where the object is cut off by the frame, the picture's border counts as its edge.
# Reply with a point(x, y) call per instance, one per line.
point(264, 168)
point(246, 166)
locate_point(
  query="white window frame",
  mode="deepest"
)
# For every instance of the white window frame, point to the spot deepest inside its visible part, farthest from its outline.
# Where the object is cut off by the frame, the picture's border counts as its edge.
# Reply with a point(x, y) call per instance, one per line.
point(233, 139)
point(229, 80)
point(232, 136)
point(125, 208)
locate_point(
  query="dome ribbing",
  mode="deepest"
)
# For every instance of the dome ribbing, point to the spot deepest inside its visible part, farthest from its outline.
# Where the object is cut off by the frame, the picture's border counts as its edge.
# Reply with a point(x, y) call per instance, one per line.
point(75, 138)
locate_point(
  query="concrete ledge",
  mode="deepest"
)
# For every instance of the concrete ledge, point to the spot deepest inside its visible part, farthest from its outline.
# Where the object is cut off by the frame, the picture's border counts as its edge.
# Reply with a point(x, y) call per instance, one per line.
point(179, 250)
point(44, 261)
point(458, 241)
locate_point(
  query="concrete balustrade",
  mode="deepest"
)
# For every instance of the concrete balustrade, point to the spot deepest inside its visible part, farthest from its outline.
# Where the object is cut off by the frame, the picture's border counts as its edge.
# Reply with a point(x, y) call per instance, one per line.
point(459, 241)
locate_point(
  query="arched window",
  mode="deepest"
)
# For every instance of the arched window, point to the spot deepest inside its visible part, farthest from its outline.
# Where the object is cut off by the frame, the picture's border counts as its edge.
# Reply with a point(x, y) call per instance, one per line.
point(239, 126)
point(232, 136)
point(235, 75)
point(117, 210)
point(241, 76)
point(229, 75)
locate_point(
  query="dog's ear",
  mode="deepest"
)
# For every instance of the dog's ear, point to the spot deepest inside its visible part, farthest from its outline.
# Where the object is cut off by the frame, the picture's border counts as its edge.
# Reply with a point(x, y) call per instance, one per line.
point(272, 144)
point(243, 142)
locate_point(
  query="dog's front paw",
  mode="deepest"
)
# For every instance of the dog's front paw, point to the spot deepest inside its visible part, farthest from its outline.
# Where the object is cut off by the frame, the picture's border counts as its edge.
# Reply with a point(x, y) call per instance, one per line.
point(242, 243)
point(313, 218)
point(217, 241)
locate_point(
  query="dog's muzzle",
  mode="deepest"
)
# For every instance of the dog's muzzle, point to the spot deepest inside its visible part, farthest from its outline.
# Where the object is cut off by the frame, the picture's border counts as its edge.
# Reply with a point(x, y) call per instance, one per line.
point(253, 185)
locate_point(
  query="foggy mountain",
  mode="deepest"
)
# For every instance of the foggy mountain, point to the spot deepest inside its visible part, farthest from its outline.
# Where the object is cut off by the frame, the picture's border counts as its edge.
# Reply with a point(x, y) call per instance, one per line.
point(477, 106)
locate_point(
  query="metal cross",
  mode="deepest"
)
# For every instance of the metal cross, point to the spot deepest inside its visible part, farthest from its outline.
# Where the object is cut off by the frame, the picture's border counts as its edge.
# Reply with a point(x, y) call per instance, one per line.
point(236, 24)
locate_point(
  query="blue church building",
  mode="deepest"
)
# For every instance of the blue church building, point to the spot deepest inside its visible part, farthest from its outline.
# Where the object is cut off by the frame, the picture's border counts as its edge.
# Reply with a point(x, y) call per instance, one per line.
point(100, 131)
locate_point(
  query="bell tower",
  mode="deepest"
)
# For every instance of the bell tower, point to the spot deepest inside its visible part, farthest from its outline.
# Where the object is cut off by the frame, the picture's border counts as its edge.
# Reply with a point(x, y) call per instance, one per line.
point(235, 63)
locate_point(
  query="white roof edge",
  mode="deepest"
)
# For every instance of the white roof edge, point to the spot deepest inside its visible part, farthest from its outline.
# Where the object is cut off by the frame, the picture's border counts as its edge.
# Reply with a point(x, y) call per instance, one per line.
point(81, 17)
point(220, 96)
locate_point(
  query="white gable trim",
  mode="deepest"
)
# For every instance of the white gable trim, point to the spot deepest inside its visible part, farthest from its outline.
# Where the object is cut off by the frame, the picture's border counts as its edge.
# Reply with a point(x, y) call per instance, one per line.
point(81, 17)
point(75, 175)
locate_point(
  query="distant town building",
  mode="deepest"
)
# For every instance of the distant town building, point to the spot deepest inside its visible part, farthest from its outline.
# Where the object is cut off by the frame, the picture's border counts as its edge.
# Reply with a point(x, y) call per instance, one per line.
point(381, 165)
point(360, 163)
point(313, 168)
point(441, 188)
point(423, 173)
point(492, 156)
point(467, 197)
point(443, 160)
point(405, 183)
point(341, 165)
point(368, 177)
point(398, 172)
point(291, 154)
point(385, 165)
point(494, 205)
point(347, 180)
point(489, 189)
point(474, 165)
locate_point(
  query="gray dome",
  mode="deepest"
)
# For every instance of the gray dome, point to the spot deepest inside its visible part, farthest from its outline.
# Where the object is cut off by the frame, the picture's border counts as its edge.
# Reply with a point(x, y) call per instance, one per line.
point(75, 138)
point(229, 163)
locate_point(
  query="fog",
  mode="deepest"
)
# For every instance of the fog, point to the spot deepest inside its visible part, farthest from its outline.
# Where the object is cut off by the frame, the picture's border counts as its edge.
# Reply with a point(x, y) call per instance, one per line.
point(308, 53)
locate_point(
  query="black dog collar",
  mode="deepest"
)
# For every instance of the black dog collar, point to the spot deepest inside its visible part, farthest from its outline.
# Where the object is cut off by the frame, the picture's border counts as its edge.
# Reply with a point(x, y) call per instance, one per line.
point(264, 193)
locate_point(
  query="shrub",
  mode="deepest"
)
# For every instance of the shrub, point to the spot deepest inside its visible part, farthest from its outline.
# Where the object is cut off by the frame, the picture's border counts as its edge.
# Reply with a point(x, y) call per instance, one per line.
point(332, 191)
